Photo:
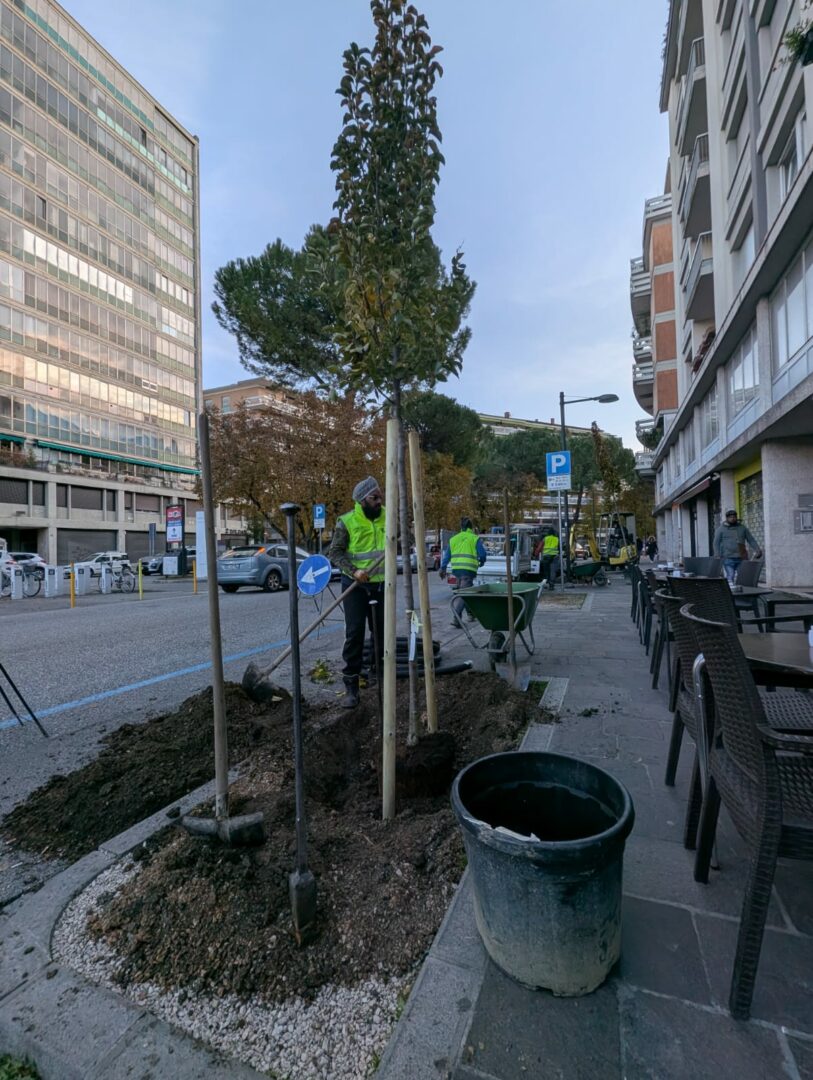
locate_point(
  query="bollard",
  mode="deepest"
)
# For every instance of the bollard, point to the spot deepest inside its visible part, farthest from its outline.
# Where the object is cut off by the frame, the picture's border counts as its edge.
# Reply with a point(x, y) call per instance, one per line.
point(52, 574)
point(16, 583)
point(72, 580)
point(81, 575)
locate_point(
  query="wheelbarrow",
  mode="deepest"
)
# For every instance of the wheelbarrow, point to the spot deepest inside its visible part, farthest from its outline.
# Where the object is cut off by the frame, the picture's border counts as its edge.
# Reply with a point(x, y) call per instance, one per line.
point(488, 605)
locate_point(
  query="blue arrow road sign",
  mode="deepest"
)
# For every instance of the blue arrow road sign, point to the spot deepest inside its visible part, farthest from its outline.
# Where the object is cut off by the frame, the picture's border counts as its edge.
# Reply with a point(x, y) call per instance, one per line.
point(318, 515)
point(558, 469)
point(313, 575)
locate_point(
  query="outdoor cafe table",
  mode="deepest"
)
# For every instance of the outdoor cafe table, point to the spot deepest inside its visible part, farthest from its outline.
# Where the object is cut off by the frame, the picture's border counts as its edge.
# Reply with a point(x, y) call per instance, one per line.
point(779, 659)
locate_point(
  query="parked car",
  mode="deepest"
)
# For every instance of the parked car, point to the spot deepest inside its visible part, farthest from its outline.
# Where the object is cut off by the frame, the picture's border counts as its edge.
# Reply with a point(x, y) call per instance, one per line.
point(413, 561)
point(29, 560)
point(433, 556)
point(93, 565)
point(264, 566)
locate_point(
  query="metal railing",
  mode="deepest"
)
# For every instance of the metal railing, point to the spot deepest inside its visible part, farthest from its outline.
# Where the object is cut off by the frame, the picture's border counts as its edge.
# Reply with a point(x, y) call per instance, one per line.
point(700, 156)
point(644, 372)
point(641, 348)
point(703, 253)
point(643, 460)
point(639, 278)
point(697, 59)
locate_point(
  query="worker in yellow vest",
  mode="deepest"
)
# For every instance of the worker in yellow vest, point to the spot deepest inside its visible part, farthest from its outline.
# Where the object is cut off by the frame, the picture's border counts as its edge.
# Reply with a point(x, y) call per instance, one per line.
point(464, 555)
point(550, 557)
point(357, 544)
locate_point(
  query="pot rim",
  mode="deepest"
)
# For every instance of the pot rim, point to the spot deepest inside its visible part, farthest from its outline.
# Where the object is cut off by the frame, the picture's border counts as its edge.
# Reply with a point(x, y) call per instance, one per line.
point(618, 831)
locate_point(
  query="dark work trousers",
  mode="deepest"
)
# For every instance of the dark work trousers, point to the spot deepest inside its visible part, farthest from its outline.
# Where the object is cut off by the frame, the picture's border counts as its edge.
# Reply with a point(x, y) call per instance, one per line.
point(465, 580)
point(358, 615)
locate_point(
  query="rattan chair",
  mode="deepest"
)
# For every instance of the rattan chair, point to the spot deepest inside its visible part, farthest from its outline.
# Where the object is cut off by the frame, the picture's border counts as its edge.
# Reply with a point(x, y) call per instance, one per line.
point(764, 776)
point(662, 643)
point(635, 577)
point(703, 566)
point(748, 573)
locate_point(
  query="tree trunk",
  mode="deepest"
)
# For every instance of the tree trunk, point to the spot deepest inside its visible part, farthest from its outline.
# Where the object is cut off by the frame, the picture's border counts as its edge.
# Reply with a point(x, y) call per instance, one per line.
point(409, 598)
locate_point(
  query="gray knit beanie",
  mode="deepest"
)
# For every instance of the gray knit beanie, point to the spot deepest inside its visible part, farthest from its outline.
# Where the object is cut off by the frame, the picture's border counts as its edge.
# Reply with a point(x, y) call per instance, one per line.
point(364, 488)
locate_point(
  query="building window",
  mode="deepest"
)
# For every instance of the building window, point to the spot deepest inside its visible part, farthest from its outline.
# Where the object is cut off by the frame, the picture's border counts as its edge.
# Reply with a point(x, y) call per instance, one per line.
point(688, 442)
point(743, 374)
point(792, 310)
point(225, 404)
point(793, 153)
point(708, 418)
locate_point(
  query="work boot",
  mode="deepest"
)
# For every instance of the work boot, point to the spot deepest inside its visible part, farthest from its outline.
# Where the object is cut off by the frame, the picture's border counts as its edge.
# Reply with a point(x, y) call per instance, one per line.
point(351, 693)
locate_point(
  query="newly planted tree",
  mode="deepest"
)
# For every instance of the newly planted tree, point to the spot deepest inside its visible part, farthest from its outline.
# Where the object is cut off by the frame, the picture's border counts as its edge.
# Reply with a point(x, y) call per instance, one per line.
point(399, 315)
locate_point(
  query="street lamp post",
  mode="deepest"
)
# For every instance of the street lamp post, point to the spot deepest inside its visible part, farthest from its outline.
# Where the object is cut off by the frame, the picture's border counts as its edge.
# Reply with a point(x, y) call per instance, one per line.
point(603, 399)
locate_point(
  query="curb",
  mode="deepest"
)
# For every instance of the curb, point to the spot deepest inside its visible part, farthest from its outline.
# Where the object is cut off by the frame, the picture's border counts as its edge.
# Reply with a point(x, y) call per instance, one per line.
point(69, 1027)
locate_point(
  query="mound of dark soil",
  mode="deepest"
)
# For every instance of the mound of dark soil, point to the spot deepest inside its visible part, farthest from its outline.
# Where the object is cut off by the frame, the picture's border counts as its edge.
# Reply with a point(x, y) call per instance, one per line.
point(213, 919)
point(142, 768)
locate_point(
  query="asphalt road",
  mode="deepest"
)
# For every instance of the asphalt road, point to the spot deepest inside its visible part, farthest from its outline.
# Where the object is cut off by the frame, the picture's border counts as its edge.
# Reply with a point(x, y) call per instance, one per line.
point(118, 659)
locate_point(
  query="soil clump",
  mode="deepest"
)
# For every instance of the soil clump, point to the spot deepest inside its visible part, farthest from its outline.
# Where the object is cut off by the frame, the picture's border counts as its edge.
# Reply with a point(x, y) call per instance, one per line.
point(214, 920)
point(141, 769)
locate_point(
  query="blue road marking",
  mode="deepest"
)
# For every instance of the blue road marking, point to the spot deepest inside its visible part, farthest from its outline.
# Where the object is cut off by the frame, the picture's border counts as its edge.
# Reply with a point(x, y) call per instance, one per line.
point(104, 694)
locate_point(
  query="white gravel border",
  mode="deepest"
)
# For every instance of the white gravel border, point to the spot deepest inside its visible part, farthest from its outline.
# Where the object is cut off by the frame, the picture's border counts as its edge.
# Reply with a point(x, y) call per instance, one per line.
point(340, 1035)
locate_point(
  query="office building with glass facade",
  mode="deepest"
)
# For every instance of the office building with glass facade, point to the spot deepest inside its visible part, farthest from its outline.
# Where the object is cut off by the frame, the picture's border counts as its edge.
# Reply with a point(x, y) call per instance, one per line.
point(99, 295)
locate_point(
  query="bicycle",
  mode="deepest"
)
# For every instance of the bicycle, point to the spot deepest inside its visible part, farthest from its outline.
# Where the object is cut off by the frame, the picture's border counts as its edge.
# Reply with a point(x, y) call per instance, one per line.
point(32, 582)
point(123, 579)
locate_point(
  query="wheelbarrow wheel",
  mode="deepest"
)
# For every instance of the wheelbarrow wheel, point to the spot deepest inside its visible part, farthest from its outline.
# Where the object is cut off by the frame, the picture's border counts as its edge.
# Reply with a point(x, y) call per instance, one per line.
point(497, 648)
point(600, 578)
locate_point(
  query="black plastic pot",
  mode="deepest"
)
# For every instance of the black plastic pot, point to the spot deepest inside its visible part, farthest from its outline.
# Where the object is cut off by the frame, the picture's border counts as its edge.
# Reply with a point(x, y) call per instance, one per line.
point(545, 835)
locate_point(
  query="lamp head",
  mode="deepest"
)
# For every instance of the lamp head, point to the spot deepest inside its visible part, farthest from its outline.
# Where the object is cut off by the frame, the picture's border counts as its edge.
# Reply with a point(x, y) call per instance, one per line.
point(605, 399)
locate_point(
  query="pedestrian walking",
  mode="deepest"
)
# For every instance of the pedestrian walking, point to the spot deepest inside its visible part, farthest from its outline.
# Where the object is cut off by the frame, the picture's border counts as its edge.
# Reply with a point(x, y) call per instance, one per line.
point(652, 549)
point(731, 543)
point(465, 554)
point(358, 543)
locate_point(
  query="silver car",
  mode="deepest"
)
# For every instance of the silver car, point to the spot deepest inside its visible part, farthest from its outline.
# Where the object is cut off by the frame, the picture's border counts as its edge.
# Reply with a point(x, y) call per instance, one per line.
point(264, 566)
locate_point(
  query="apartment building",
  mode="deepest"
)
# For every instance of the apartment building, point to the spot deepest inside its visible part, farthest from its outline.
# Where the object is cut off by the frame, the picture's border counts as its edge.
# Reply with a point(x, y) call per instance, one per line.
point(99, 295)
point(739, 431)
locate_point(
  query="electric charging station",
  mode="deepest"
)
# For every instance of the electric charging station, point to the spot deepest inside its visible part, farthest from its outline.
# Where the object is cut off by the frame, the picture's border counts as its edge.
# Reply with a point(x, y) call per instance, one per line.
point(106, 581)
point(52, 576)
point(81, 580)
point(16, 583)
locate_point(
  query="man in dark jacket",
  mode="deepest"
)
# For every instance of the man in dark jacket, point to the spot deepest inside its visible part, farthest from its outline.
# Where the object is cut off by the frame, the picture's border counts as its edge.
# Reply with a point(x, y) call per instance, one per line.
point(730, 544)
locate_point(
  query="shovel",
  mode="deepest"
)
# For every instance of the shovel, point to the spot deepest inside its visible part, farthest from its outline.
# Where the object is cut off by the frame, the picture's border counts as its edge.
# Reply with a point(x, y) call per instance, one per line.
point(247, 828)
point(301, 883)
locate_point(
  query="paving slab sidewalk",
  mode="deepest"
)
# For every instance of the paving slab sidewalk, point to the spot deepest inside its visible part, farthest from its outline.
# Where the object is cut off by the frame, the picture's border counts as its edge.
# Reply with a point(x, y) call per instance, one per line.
point(662, 1014)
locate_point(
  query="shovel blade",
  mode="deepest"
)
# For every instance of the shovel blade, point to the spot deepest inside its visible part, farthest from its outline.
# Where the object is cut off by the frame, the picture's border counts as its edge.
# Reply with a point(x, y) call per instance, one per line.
point(518, 678)
point(302, 891)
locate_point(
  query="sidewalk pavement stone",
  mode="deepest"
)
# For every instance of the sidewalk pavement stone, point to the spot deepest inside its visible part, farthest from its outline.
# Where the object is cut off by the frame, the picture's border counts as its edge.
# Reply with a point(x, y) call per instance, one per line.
point(662, 1014)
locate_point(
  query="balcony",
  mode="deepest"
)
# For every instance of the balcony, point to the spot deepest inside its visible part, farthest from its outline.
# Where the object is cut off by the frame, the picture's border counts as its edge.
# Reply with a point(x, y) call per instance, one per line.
point(643, 384)
point(692, 118)
point(640, 295)
point(643, 464)
point(700, 285)
point(695, 196)
point(641, 348)
point(644, 427)
point(690, 27)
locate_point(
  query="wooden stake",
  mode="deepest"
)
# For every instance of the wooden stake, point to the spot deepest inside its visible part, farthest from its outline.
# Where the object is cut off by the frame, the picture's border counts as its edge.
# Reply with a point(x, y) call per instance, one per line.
point(416, 471)
point(390, 581)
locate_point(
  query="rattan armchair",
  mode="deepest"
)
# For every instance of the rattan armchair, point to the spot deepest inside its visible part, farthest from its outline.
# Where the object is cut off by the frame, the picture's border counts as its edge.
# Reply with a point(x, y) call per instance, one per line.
point(764, 776)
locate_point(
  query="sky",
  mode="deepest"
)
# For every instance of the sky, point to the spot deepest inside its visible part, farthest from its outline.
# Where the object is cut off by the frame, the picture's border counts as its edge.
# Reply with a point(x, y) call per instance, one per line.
point(552, 137)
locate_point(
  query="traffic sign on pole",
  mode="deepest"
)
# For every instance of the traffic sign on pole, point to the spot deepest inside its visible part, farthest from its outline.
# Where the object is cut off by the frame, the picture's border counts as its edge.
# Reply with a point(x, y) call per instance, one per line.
point(558, 469)
point(318, 515)
point(313, 575)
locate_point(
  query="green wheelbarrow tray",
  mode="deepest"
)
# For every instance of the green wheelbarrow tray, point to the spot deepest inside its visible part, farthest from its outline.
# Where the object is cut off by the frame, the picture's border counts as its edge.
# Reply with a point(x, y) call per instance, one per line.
point(488, 605)
point(586, 569)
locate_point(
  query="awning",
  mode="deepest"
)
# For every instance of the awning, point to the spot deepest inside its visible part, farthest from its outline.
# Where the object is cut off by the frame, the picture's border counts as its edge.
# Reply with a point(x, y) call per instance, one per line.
point(11, 438)
point(93, 452)
point(694, 490)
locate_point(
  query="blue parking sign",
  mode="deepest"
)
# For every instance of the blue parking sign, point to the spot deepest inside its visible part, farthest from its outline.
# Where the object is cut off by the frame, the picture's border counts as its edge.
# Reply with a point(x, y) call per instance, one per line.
point(319, 515)
point(557, 465)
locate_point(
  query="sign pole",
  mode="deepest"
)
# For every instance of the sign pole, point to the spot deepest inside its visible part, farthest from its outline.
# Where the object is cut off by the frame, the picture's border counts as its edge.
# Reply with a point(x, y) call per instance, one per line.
point(561, 548)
